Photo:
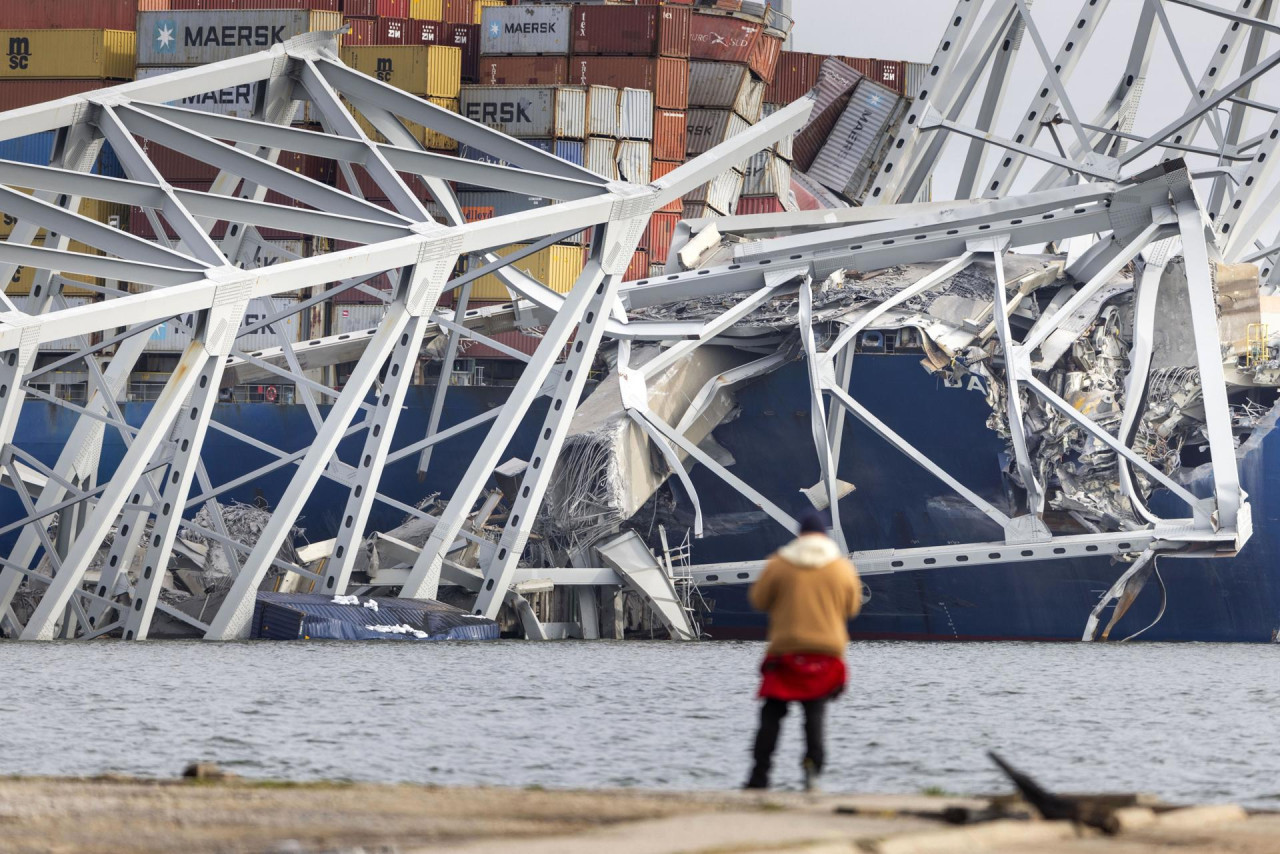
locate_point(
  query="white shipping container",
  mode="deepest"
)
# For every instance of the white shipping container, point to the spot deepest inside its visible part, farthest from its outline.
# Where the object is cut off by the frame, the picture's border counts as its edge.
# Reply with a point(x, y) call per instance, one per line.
point(847, 163)
point(356, 318)
point(917, 77)
point(174, 334)
point(195, 37)
point(268, 253)
point(709, 128)
point(635, 161)
point(602, 111)
point(536, 112)
point(720, 194)
point(725, 86)
point(635, 114)
point(525, 29)
point(600, 157)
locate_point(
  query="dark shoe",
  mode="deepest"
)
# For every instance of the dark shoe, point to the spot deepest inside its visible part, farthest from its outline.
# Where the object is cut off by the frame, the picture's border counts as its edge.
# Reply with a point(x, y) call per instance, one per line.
point(812, 776)
point(756, 781)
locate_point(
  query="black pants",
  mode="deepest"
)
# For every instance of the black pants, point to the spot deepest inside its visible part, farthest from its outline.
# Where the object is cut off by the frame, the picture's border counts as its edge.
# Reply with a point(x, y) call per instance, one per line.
point(771, 715)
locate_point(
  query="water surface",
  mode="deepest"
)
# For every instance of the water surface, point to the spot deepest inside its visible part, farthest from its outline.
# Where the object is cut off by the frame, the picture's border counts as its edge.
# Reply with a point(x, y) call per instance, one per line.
point(1188, 722)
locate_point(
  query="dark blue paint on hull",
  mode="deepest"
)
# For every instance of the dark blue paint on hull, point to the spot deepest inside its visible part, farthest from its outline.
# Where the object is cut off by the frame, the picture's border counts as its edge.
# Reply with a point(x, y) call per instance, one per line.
point(896, 505)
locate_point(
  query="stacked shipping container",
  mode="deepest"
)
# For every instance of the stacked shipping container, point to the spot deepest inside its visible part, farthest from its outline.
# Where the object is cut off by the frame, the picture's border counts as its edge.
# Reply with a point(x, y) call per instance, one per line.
point(54, 50)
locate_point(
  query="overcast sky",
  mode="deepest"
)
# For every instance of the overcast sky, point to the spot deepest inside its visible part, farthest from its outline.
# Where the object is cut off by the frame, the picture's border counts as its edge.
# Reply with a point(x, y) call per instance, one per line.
point(910, 29)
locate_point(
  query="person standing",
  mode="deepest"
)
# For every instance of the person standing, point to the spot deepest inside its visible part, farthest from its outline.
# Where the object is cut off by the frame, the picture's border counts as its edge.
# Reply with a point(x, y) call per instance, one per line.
point(810, 590)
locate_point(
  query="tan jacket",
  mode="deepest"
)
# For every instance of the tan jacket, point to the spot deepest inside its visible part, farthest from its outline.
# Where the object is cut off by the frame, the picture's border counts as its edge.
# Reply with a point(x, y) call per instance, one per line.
point(811, 591)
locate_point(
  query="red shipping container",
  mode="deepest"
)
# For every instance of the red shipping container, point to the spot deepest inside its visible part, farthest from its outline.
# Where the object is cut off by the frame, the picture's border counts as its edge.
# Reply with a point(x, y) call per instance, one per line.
point(376, 8)
point(638, 268)
point(722, 39)
point(667, 77)
point(524, 70)
point(458, 12)
point(631, 30)
point(153, 5)
point(891, 74)
point(661, 168)
point(427, 32)
point(363, 31)
point(758, 205)
point(670, 134)
point(466, 37)
point(658, 236)
point(764, 56)
point(69, 14)
point(521, 341)
point(24, 93)
point(390, 30)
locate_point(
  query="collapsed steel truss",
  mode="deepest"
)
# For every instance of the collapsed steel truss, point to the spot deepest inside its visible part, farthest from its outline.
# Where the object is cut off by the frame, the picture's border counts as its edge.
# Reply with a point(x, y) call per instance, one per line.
point(1083, 198)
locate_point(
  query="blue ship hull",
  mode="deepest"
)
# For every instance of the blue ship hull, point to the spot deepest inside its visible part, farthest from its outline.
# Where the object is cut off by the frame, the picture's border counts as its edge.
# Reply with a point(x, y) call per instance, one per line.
point(896, 505)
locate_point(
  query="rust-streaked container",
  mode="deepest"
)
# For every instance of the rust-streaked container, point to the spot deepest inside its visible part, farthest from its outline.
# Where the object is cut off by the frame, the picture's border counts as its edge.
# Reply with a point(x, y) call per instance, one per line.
point(69, 14)
point(659, 234)
point(24, 93)
point(432, 70)
point(794, 75)
point(670, 134)
point(516, 340)
point(667, 77)
point(152, 6)
point(557, 267)
point(67, 54)
point(764, 56)
point(661, 168)
point(375, 8)
point(524, 70)
point(635, 161)
point(631, 30)
point(722, 38)
point(466, 38)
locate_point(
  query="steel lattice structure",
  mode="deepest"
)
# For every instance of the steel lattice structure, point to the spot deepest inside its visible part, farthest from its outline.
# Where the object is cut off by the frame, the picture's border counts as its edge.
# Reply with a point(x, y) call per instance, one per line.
point(1097, 192)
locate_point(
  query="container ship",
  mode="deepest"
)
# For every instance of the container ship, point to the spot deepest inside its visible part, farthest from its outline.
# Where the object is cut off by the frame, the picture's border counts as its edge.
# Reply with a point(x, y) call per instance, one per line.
point(630, 92)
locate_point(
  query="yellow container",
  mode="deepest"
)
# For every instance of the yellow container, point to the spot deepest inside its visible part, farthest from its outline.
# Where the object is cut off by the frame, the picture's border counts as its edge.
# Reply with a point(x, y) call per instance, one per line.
point(557, 267)
point(23, 278)
point(426, 10)
point(64, 54)
point(92, 208)
point(432, 70)
point(435, 139)
point(480, 5)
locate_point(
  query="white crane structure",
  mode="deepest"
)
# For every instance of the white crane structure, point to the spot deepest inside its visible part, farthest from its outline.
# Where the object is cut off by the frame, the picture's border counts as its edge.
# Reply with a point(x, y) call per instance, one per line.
point(1200, 186)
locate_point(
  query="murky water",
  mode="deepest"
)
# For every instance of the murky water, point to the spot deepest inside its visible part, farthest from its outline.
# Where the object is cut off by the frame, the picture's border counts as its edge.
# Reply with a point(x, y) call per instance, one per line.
point(1189, 722)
